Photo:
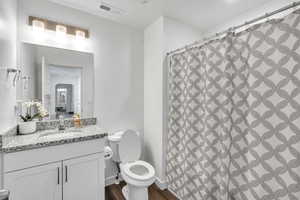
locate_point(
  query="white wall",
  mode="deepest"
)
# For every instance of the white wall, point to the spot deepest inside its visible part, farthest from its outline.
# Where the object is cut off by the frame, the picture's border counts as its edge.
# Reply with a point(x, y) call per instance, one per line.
point(153, 91)
point(27, 89)
point(178, 34)
point(161, 36)
point(118, 61)
point(8, 58)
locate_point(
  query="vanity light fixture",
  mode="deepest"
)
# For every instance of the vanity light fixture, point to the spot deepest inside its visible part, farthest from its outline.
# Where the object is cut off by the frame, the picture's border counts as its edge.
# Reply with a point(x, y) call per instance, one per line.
point(38, 25)
point(80, 35)
point(61, 30)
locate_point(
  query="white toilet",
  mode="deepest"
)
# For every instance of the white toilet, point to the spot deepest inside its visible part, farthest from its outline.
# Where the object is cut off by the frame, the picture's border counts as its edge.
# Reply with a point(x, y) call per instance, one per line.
point(138, 175)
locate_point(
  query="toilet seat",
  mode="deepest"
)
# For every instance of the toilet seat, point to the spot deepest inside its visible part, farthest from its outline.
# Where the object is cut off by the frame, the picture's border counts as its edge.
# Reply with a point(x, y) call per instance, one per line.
point(139, 170)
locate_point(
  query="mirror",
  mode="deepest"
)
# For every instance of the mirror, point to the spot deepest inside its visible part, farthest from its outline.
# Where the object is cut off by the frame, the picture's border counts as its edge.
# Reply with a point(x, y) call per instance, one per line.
point(63, 80)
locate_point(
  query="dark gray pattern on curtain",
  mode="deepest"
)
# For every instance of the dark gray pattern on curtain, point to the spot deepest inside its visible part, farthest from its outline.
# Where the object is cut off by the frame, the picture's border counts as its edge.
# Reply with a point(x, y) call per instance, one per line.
point(234, 116)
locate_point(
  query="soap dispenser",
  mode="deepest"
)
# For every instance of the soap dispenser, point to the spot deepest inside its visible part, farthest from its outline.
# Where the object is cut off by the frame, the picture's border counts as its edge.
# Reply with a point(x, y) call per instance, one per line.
point(77, 121)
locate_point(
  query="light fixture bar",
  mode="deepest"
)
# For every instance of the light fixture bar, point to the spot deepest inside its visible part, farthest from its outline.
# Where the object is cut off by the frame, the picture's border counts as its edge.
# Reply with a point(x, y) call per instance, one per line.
point(51, 25)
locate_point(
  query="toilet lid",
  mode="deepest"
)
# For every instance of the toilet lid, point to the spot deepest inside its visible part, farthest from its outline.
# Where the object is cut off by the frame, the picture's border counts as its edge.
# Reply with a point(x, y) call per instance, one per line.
point(130, 146)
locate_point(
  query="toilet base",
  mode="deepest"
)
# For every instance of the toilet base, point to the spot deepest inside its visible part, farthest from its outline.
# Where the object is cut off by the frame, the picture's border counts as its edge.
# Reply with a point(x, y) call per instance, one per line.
point(125, 191)
point(131, 192)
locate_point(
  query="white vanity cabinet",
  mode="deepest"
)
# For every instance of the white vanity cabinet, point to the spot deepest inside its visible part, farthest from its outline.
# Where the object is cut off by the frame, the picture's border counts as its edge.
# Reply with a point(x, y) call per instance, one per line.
point(82, 178)
point(72, 171)
point(35, 183)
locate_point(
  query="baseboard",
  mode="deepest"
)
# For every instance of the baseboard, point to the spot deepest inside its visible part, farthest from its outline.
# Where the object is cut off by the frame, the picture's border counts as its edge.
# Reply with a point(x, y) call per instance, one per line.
point(111, 180)
point(161, 184)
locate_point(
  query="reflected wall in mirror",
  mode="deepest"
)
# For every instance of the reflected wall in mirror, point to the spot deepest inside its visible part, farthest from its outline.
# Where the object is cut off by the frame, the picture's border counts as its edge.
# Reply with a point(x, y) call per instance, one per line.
point(63, 80)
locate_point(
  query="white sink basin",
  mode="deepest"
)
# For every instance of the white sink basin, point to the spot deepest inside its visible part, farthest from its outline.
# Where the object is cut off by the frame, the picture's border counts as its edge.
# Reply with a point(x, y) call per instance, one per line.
point(61, 134)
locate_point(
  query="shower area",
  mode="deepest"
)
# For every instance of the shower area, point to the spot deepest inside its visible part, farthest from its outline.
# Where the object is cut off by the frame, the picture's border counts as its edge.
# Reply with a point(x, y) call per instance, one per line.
point(234, 115)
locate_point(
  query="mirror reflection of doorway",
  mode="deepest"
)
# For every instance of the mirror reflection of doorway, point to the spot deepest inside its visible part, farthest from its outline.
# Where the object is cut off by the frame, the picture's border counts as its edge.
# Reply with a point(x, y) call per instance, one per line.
point(64, 100)
point(64, 90)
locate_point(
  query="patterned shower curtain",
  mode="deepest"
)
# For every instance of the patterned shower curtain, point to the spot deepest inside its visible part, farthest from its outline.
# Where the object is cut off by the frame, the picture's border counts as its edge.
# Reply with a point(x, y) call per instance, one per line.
point(234, 116)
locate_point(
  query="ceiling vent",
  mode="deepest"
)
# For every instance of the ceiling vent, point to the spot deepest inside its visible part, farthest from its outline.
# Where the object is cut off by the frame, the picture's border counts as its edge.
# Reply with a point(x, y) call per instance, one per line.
point(107, 7)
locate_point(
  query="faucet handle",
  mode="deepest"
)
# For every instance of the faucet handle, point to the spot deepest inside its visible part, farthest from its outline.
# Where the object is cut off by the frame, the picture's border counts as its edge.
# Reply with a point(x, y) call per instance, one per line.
point(61, 125)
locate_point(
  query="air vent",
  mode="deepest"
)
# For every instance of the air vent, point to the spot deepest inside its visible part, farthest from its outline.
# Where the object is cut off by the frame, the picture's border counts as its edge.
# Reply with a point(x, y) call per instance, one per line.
point(144, 2)
point(107, 7)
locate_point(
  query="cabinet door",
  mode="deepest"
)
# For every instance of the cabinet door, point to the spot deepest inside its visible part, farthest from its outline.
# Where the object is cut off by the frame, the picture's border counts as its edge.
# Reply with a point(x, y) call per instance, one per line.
point(37, 183)
point(84, 178)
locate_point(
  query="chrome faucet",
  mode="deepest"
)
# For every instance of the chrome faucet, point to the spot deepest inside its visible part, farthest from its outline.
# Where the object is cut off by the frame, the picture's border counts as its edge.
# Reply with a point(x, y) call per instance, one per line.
point(61, 125)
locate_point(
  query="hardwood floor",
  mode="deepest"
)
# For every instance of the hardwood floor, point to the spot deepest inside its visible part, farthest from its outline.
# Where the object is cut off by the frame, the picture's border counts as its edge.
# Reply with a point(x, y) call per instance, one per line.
point(114, 192)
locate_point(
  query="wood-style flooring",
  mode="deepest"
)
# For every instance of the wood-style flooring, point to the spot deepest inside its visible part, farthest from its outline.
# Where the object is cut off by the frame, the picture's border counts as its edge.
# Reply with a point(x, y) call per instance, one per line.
point(114, 192)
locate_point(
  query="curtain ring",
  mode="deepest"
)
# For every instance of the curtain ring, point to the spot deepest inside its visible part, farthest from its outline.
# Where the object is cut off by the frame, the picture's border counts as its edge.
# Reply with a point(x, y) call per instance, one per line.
point(267, 17)
point(295, 6)
point(186, 47)
point(230, 31)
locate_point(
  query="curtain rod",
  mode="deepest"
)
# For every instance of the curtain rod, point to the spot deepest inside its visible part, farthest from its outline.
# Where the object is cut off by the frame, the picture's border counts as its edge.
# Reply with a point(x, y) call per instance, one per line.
point(292, 5)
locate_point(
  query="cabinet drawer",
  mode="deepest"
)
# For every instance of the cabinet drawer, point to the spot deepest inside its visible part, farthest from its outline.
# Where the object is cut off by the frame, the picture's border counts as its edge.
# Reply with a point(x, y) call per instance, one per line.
point(25, 159)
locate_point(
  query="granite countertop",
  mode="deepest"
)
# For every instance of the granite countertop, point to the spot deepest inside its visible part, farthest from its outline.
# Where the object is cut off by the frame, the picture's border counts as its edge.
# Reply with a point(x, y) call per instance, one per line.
point(52, 137)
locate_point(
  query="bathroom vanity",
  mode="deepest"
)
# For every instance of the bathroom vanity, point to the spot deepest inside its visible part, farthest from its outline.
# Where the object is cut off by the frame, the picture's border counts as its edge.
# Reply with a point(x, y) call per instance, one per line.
point(53, 165)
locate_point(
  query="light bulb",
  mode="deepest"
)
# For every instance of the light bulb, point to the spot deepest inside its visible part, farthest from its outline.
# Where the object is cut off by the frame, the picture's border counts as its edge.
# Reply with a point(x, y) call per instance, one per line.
point(80, 35)
point(61, 30)
point(38, 25)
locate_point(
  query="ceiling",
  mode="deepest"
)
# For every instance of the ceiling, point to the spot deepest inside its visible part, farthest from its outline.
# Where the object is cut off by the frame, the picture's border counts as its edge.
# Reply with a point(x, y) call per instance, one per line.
point(202, 14)
point(207, 14)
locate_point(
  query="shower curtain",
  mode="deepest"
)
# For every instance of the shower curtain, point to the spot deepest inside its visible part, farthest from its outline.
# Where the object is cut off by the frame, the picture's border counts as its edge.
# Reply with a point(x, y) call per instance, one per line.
point(234, 116)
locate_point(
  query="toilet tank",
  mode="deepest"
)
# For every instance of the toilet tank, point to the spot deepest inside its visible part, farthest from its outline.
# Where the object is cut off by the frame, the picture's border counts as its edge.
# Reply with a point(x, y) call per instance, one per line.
point(114, 141)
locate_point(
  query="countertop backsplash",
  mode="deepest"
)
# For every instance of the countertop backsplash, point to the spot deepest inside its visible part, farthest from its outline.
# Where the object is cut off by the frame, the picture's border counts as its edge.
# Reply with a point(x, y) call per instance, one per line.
point(53, 124)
